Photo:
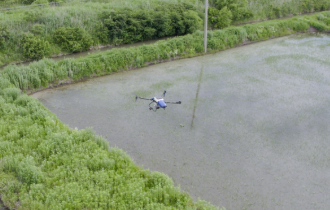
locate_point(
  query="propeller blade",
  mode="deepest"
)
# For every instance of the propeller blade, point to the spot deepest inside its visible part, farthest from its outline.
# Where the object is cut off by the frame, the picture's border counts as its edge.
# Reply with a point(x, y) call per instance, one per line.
point(164, 93)
point(178, 102)
point(138, 97)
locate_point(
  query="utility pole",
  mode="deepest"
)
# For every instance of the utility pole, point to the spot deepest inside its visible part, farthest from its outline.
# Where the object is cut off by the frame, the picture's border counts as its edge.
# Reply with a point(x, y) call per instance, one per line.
point(205, 25)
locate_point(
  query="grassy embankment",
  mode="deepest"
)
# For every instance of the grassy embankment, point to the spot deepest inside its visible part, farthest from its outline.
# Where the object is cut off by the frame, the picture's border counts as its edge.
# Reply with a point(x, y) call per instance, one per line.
point(46, 73)
point(46, 31)
point(44, 164)
point(50, 31)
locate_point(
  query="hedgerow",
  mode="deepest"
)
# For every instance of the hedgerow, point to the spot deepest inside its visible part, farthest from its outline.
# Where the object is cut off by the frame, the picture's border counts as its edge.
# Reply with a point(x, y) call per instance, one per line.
point(34, 47)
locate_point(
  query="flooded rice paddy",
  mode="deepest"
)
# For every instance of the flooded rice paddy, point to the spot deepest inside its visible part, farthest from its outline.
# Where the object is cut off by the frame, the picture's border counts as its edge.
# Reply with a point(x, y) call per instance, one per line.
point(252, 132)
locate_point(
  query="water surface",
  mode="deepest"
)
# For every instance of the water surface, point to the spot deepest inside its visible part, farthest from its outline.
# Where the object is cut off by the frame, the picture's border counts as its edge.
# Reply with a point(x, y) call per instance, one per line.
point(252, 131)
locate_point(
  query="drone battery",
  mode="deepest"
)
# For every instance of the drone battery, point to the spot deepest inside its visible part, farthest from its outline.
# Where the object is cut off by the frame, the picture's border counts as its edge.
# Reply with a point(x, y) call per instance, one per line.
point(162, 103)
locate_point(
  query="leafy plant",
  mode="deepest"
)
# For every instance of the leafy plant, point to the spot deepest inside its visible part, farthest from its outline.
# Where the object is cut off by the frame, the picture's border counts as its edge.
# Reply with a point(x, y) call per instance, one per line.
point(34, 47)
point(73, 39)
point(4, 35)
point(219, 18)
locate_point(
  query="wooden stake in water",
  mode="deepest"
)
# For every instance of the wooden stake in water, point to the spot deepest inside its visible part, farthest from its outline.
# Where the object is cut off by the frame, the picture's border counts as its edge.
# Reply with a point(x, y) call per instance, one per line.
point(205, 25)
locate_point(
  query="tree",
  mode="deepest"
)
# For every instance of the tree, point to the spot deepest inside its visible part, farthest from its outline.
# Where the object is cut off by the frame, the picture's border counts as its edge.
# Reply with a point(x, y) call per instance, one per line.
point(4, 34)
point(34, 47)
point(73, 39)
point(219, 18)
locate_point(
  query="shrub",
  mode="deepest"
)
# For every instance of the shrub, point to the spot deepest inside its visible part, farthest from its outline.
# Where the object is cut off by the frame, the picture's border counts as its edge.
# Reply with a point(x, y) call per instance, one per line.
point(101, 33)
point(4, 83)
point(40, 2)
point(4, 35)
point(219, 19)
point(11, 93)
point(28, 172)
point(38, 29)
point(32, 15)
point(73, 39)
point(34, 47)
point(238, 8)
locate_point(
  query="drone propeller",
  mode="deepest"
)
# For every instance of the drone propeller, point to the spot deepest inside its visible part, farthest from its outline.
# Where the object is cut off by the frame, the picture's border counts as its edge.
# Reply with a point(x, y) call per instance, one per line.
point(138, 97)
point(164, 93)
point(177, 102)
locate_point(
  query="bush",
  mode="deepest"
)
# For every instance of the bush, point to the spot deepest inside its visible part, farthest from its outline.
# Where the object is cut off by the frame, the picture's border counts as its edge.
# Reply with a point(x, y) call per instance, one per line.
point(28, 172)
point(40, 2)
point(11, 93)
point(219, 19)
point(129, 26)
point(101, 33)
point(38, 29)
point(34, 47)
point(32, 15)
point(73, 39)
point(238, 8)
point(4, 35)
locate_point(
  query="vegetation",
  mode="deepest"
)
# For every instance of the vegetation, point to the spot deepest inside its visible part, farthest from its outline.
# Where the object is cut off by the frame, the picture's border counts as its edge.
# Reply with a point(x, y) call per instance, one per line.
point(115, 22)
point(263, 9)
point(34, 47)
point(223, 12)
point(73, 29)
point(73, 39)
point(41, 74)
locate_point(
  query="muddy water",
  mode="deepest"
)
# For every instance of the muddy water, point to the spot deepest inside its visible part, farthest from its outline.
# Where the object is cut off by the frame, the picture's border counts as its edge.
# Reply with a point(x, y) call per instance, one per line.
point(252, 131)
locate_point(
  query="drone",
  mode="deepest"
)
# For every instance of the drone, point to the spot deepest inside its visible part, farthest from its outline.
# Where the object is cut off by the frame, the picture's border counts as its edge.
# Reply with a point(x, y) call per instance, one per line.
point(156, 102)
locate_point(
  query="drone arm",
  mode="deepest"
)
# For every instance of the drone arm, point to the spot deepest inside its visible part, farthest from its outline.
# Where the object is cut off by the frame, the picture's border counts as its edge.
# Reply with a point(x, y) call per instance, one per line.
point(138, 97)
point(177, 102)
point(144, 98)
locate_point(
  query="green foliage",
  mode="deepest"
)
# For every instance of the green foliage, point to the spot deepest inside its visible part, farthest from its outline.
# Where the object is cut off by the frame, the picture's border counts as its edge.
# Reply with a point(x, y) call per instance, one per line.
point(40, 2)
point(4, 35)
point(34, 47)
point(32, 16)
point(38, 29)
point(27, 2)
point(101, 33)
point(219, 19)
point(238, 8)
point(11, 94)
point(129, 26)
point(72, 28)
point(73, 39)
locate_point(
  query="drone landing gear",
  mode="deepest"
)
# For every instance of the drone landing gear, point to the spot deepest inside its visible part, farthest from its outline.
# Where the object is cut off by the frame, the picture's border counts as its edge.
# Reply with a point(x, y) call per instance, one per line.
point(153, 106)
